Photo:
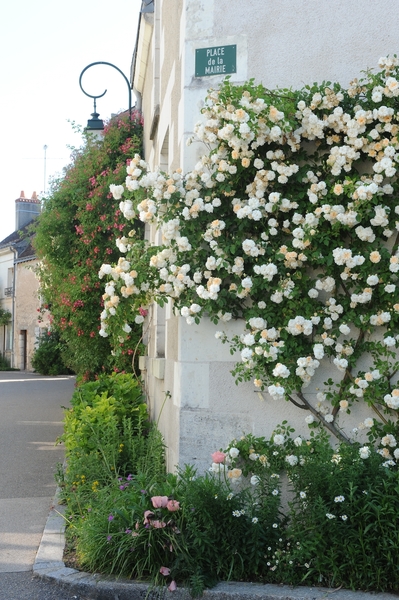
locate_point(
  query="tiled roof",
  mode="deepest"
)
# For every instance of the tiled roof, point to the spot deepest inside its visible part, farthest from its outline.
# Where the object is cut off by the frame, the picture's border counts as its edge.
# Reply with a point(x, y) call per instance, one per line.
point(16, 236)
point(28, 253)
point(21, 240)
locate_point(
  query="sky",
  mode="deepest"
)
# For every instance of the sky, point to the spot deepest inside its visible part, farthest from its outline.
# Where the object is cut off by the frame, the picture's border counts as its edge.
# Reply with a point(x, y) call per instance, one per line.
point(44, 47)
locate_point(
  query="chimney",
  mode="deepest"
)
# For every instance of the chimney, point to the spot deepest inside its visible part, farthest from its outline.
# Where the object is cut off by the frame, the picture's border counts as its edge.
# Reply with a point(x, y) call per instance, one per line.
point(26, 210)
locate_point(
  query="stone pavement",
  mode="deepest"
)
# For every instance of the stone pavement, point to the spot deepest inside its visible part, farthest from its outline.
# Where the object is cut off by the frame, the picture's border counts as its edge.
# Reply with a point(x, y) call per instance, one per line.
point(49, 565)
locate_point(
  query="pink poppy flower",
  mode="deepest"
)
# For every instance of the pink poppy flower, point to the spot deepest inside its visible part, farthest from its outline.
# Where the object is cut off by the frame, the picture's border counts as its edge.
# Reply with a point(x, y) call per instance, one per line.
point(158, 524)
point(173, 505)
point(164, 571)
point(159, 501)
point(218, 457)
point(172, 587)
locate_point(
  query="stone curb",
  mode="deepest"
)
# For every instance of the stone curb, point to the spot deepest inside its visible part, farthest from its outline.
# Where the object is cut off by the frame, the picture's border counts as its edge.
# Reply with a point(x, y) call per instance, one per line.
point(49, 565)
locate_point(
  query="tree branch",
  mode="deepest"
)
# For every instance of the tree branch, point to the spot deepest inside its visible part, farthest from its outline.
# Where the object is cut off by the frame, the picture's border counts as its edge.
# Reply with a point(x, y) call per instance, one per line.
point(348, 374)
point(396, 243)
point(330, 426)
point(375, 409)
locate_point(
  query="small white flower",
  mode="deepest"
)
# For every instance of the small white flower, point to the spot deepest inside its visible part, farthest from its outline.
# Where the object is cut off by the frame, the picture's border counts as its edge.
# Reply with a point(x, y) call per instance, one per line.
point(253, 456)
point(280, 370)
point(364, 452)
point(309, 419)
point(255, 480)
point(278, 439)
point(246, 283)
point(234, 452)
point(389, 440)
point(116, 191)
point(372, 280)
point(344, 329)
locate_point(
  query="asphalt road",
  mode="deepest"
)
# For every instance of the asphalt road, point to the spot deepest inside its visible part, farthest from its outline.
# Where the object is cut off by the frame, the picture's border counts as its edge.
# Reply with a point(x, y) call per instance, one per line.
point(23, 586)
point(31, 416)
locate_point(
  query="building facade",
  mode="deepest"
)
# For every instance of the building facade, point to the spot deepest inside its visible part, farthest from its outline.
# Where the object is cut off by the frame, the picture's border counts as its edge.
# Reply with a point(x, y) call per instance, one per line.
point(19, 287)
point(178, 50)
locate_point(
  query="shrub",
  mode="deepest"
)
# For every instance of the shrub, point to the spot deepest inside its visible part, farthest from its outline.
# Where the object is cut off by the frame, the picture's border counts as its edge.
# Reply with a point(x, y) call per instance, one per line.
point(188, 528)
point(5, 364)
point(342, 519)
point(107, 435)
point(47, 358)
point(338, 526)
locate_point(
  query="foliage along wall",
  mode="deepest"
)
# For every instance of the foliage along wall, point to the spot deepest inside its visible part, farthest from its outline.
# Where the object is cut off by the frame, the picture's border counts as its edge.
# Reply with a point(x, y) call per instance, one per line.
point(75, 235)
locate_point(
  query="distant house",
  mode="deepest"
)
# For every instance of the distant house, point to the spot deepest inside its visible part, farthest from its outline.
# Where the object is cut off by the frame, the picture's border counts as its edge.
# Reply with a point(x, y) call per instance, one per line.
point(19, 286)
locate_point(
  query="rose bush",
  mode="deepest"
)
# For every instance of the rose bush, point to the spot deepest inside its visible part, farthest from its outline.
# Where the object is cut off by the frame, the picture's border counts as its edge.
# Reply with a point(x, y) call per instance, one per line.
point(289, 222)
point(74, 235)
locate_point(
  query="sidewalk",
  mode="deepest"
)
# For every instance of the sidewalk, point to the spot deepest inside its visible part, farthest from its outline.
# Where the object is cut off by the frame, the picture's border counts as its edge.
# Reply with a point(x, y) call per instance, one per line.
point(49, 565)
point(31, 419)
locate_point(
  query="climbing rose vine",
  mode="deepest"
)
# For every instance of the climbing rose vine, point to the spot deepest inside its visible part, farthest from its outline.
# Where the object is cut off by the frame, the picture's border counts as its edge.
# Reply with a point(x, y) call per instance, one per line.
point(289, 222)
point(75, 235)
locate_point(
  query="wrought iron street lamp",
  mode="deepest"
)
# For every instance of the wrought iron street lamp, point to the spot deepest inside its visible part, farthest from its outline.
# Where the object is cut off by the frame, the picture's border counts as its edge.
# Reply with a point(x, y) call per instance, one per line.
point(96, 125)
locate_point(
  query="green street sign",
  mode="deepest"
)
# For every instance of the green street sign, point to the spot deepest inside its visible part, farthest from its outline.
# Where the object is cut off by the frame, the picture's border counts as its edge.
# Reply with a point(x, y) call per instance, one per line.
point(218, 60)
